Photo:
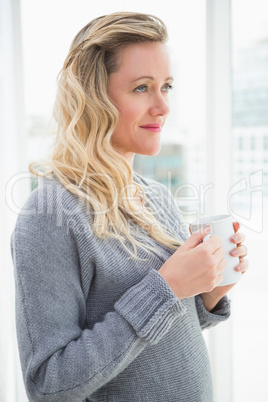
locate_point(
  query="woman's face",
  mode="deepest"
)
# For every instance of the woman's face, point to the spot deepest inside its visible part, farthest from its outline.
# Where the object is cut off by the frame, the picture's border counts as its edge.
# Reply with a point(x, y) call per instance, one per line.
point(140, 90)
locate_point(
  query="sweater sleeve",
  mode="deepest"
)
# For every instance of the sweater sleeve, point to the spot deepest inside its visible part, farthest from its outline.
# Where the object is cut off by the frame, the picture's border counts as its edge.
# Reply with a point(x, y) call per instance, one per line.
point(208, 319)
point(170, 210)
point(62, 359)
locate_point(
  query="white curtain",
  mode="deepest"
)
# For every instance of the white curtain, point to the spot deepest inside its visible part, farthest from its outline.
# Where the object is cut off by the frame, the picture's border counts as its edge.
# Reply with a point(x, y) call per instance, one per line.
point(13, 145)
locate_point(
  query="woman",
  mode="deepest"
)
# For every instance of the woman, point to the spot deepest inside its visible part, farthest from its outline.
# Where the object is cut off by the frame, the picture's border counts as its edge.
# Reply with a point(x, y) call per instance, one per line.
point(111, 291)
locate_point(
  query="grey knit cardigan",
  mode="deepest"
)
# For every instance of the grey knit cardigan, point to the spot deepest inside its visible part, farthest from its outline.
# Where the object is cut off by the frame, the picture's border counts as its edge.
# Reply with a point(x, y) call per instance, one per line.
point(95, 325)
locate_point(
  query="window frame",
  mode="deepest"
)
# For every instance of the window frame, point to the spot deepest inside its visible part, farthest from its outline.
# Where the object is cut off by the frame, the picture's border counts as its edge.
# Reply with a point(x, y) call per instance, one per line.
point(219, 155)
point(12, 161)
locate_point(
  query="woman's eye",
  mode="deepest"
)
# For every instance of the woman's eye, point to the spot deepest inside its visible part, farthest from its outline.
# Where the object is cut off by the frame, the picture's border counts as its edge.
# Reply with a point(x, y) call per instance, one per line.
point(141, 88)
point(144, 88)
point(167, 88)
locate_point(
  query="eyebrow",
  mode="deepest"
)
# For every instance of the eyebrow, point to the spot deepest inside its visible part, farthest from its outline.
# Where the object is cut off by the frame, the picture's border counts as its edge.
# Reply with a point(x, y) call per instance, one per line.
point(151, 78)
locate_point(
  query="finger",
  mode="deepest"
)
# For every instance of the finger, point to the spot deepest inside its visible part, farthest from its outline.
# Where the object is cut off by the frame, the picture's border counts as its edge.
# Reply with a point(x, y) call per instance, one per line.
point(236, 226)
point(219, 253)
point(238, 238)
point(239, 251)
point(222, 265)
point(219, 280)
point(197, 237)
point(212, 244)
point(242, 266)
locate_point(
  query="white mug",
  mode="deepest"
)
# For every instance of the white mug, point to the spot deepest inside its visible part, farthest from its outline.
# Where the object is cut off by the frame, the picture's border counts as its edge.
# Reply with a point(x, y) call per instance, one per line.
point(222, 226)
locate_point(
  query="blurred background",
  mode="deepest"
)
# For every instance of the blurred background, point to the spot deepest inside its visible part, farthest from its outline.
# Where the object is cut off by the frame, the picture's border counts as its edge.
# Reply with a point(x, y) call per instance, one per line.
point(214, 155)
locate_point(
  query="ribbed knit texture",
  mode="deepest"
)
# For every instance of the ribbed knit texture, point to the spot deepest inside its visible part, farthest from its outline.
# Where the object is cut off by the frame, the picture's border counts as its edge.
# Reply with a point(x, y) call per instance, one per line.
point(94, 325)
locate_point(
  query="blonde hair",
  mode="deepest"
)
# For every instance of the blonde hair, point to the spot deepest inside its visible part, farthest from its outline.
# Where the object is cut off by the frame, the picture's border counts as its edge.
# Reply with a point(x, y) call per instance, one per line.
point(83, 158)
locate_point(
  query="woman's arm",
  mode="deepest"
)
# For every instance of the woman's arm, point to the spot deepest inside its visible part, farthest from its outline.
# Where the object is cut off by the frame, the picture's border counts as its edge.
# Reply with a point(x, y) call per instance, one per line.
point(62, 359)
point(219, 313)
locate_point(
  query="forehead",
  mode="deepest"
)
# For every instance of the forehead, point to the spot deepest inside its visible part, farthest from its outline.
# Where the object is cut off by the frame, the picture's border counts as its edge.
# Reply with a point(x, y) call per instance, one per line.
point(149, 58)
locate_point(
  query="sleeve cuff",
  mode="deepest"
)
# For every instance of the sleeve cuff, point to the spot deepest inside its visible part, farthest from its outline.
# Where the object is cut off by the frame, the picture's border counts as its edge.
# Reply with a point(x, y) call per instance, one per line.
point(150, 307)
point(221, 312)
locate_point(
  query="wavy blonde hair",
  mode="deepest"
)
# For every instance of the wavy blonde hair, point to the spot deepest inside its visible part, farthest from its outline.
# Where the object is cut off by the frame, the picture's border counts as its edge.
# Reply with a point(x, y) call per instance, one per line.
point(82, 157)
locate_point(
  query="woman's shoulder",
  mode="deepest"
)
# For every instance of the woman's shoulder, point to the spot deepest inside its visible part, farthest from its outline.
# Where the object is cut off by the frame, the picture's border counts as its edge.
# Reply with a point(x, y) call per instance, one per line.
point(50, 201)
point(48, 192)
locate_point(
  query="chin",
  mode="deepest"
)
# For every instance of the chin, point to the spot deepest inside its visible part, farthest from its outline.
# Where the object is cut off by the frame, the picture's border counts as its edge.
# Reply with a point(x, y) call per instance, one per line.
point(154, 151)
point(150, 150)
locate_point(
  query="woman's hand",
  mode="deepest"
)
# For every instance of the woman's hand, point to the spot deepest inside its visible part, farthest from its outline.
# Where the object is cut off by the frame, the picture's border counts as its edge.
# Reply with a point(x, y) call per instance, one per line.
point(210, 299)
point(195, 267)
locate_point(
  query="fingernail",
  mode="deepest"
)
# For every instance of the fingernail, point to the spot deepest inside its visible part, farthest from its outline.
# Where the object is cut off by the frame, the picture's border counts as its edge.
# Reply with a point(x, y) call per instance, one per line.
point(235, 238)
point(238, 268)
point(233, 252)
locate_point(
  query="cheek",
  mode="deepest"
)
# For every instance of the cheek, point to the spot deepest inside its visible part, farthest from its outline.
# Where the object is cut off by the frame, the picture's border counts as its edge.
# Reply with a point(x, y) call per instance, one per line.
point(131, 113)
point(126, 124)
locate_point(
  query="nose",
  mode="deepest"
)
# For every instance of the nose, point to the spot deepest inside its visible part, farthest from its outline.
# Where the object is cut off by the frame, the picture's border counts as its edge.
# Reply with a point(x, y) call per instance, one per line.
point(160, 105)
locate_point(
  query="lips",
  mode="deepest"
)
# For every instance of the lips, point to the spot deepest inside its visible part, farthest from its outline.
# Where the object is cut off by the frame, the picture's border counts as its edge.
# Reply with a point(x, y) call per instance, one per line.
point(152, 127)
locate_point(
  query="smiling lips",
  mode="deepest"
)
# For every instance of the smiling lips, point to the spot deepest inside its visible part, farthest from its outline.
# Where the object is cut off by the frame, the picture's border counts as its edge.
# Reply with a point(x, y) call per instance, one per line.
point(152, 127)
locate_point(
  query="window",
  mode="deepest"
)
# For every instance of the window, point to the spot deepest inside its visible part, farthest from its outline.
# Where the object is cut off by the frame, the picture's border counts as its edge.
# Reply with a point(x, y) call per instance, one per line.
point(250, 105)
